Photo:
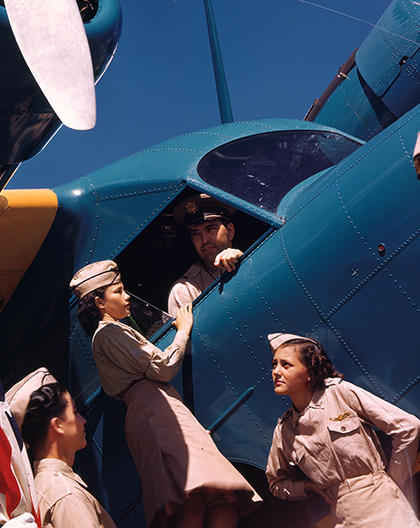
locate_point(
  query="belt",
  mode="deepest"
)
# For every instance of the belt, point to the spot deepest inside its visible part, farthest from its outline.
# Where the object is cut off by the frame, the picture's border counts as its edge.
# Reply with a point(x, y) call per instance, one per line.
point(355, 483)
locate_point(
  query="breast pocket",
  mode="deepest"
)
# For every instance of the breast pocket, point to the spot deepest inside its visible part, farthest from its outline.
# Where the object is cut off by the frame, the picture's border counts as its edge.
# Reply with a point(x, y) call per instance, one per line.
point(346, 438)
point(347, 426)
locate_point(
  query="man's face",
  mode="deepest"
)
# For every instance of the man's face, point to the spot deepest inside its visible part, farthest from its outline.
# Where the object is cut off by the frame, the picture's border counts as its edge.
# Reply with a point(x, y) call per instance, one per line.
point(210, 238)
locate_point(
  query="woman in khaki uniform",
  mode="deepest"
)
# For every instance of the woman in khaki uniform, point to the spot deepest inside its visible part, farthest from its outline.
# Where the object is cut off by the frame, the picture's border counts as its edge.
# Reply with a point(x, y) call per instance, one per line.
point(186, 481)
point(55, 431)
point(328, 435)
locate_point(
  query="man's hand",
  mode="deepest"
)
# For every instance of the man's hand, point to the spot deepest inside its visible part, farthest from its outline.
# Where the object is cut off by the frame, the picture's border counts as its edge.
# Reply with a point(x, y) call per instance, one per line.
point(25, 520)
point(227, 259)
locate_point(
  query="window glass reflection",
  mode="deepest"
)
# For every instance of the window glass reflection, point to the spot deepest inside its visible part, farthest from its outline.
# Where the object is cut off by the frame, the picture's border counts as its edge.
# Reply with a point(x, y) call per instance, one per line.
point(261, 169)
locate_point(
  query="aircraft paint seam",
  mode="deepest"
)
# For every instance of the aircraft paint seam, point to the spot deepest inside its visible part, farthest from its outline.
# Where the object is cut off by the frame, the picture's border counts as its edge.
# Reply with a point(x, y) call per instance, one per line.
point(101, 454)
point(87, 352)
point(251, 351)
point(139, 193)
point(378, 268)
point(308, 125)
point(325, 319)
point(134, 503)
point(403, 392)
point(229, 383)
point(373, 273)
point(146, 221)
point(395, 129)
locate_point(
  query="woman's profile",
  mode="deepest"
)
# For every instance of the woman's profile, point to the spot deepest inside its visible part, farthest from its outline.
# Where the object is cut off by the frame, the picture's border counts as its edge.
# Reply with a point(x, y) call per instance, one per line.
point(55, 431)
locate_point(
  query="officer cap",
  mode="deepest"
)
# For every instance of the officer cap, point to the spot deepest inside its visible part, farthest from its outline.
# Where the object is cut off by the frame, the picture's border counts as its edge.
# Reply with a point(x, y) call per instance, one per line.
point(201, 208)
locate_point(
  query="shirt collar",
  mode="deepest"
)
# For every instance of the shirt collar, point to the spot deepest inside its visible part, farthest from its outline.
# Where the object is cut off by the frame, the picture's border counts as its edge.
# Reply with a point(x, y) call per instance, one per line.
point(54, 464)
point(317, 402)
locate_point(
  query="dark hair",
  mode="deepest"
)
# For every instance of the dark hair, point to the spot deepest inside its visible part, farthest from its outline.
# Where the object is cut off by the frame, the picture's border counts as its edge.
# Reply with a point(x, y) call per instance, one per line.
point(45, 403)
point(225, 221)
point(316, 360)
point(88, 313)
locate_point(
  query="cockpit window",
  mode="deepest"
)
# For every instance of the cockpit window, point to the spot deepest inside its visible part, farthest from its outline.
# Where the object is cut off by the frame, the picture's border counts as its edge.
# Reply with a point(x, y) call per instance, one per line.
point(262, 169)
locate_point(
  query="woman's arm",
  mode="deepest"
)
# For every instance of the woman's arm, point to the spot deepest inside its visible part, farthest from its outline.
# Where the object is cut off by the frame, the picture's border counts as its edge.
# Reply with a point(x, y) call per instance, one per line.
point(281, 475)
point(165, 365)
point(124, 355)
point(402, 427)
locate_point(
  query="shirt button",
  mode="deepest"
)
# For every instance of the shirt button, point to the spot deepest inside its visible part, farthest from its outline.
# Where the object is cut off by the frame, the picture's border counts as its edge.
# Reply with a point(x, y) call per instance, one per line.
point(343, 428)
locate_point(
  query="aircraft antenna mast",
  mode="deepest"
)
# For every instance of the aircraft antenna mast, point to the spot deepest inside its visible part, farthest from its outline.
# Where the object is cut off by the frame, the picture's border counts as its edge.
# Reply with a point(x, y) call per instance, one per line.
point(225, 108)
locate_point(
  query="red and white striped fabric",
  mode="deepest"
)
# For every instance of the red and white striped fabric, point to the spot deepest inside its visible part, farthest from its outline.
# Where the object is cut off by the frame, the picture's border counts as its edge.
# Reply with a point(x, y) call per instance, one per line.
point(17, 489)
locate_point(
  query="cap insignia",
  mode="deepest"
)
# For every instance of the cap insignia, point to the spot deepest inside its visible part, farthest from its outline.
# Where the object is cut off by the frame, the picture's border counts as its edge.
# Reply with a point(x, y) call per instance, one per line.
point(191, 207)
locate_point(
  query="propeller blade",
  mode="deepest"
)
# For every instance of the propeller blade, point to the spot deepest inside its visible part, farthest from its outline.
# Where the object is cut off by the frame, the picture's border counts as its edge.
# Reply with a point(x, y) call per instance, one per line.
point(53, 42)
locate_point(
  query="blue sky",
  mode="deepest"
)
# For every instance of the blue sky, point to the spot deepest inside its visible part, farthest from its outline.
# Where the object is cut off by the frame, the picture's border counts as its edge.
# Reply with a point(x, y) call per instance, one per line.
point(279, 55)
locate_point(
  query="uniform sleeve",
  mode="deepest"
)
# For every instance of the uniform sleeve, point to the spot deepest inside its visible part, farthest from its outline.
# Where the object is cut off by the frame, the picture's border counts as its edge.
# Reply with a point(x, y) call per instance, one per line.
point(402, 427)
point(165, 365)
point(181, 294)
point(74, 511)
point(281, 475)
point(128, 351)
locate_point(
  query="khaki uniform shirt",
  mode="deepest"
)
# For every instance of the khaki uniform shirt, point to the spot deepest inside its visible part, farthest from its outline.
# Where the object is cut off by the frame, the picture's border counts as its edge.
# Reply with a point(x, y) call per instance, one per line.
point(189, 287)
point(123, 356)
point(64, 500)
point(332, 440)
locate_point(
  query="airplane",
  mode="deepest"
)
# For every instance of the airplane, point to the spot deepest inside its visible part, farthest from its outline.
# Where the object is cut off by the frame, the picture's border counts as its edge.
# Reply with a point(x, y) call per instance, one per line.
point(327, 213)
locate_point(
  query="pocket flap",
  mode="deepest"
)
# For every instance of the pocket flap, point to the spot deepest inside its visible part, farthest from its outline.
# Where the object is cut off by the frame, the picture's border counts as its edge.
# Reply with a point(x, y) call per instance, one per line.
point(347, 425)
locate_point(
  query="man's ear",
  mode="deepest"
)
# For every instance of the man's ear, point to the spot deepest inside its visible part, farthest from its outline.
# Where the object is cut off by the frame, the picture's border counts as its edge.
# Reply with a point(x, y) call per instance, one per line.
point(231, 231)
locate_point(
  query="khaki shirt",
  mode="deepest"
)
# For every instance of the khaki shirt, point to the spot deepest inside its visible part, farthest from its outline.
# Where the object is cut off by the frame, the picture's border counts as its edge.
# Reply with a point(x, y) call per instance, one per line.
point(332, 440)
point(189, 287)
point(123, 356)
point(64, 500)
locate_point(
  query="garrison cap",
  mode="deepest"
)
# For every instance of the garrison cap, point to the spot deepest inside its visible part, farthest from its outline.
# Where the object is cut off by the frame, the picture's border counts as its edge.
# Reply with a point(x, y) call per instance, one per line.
point(201, 208)
point(277, 340)
point(19, 395)
point(94, 276)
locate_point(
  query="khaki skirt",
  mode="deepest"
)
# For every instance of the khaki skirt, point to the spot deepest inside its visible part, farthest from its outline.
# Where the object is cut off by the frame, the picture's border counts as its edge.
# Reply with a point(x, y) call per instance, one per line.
point(174, 454)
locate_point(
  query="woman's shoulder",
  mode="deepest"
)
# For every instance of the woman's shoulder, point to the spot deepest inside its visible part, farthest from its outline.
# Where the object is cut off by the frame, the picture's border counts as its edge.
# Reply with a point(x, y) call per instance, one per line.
point(336, 384)
point(52, 483)
point(339, 388)
point(116, 330)
point(112, 327)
